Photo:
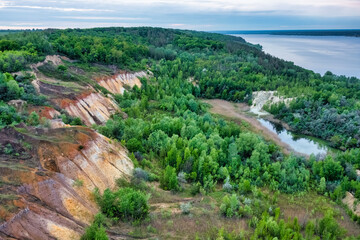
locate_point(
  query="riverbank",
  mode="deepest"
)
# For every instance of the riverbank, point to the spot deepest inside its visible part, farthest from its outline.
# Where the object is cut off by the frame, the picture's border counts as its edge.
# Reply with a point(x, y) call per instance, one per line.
point(269, 127)
point(240, 111)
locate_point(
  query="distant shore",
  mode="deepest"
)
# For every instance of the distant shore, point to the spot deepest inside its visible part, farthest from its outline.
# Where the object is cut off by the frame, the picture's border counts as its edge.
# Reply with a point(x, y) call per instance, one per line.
point(327, 32)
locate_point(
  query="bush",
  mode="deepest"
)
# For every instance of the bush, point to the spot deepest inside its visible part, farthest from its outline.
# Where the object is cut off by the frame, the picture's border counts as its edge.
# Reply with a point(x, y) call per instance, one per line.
point(181, 178)
point(185, 207)
point(230, 206)
point(195, 188)
point(328, 228)
point(8, 149)
point(33, 119)
point(227, 187)
point(125, 204)
point(62, 68)
point(76, 121)
point(96, 230)
point(209, 184)
point(134, 145)
point(8, 114)
point(141, 174)
point(169, 180)
point(322, 186)
point(245, 187)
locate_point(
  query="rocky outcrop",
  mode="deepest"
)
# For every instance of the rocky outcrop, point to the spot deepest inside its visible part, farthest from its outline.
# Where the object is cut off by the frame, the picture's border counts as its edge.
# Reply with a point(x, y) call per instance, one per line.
point(93, 108)
point(352, 203)
point(58, 123)
point(48, 195)
point(18, 104)
point(54, 59)
point(261, 98)
point(116, 84)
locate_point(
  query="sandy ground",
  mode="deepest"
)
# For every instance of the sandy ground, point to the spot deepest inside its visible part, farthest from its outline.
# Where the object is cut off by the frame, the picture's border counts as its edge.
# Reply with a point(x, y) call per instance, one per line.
point(240, 111)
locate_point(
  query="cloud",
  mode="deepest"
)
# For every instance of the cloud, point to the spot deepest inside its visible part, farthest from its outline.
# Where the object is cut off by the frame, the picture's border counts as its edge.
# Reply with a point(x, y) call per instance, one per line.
point(62, 9)
point(189, 14)
point(104, 18)
point(294, 7)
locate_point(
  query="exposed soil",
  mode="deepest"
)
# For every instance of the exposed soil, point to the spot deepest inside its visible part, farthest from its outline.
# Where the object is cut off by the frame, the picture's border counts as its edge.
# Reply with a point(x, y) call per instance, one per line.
point(240, 111)
point(38, 171)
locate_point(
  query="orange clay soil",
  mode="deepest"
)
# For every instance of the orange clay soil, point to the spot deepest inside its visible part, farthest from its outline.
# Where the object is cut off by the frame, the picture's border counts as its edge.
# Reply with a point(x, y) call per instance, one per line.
point(46, 188)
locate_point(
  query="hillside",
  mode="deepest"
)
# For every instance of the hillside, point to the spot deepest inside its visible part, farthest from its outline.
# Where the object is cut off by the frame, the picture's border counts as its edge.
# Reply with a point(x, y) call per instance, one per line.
point(105, 135)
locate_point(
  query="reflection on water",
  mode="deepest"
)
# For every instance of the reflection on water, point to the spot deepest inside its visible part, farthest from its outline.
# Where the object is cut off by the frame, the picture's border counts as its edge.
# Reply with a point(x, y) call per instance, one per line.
point(299, 144)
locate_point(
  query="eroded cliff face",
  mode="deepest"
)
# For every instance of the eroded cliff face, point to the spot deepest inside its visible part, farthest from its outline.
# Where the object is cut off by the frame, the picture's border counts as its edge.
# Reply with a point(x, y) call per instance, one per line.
point(116, 84)
point(47, 190)
point(77, 99)
point(44, 111)
point(93, 108)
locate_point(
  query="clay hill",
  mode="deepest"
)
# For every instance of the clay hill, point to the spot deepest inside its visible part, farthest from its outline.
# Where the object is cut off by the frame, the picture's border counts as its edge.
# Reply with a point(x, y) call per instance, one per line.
point(46, 187)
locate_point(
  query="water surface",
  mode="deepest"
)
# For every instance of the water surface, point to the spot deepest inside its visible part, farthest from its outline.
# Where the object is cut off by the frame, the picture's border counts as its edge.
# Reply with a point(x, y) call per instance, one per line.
point(338, 54)
point(302, 145)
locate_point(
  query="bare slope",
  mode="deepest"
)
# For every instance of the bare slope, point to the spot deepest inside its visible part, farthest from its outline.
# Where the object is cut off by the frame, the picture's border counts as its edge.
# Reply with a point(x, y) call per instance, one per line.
point(46, 189)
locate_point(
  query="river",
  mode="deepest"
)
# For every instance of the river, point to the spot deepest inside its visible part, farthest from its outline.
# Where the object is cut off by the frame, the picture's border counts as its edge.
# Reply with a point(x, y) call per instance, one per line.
point(340, 55)
point(300, 144)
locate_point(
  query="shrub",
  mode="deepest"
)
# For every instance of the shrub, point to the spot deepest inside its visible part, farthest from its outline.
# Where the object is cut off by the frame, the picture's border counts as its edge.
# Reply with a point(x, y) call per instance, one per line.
point(33, 119)
point(78, 183)
point(230, 206)
point(153, 177)
point(195, 188)
point(76, 121)
point(227, 187)
point(322, 186)
point(245, 186)
point(328, 228)
point(141, 174)
point(134, 145)
point(185, 207)
point(124, 204)
point(209, 184)
point(8, 149)
point(181, 178)
point(96, 230)
point(169, 180)
point(62, 68)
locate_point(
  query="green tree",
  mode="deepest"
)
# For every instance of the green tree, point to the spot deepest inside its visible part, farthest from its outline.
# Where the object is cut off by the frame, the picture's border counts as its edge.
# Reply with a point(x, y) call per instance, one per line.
point(14, 91)
point(332, 170)
point(168, 180)
point(322, 185)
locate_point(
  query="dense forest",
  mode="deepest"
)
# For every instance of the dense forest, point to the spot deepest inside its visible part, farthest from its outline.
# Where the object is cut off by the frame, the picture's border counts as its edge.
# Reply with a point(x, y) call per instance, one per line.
point(174, 140)
point(223, 67)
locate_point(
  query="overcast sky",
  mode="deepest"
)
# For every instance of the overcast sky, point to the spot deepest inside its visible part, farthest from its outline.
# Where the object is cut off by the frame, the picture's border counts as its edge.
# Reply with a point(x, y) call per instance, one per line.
point(185, 14)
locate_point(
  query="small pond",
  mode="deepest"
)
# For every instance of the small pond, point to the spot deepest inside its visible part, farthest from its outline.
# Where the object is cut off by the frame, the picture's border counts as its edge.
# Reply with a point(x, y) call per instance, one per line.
point(300, 144)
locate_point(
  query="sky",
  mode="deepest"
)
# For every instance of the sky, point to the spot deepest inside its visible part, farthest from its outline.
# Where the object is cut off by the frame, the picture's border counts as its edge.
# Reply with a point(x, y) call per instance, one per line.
point(205, 15)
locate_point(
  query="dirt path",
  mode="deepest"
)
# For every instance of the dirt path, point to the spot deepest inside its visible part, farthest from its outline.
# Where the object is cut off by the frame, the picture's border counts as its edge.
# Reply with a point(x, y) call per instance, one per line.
point(238, 111)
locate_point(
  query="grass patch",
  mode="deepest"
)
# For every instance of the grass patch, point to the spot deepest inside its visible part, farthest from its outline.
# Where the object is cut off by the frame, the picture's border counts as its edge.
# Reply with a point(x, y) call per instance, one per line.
point(13, 166)
point(52, 71)
point(78, 183)
point(4, 197)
